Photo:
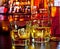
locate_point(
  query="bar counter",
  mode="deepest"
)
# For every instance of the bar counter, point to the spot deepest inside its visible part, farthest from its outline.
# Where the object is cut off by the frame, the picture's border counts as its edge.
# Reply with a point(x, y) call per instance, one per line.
point(5, 43)
point(48, 45)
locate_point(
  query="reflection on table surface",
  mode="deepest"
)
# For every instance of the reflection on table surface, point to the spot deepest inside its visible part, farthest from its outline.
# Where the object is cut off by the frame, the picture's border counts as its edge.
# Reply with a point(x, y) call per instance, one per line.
point(5, 43)
point(47, 45)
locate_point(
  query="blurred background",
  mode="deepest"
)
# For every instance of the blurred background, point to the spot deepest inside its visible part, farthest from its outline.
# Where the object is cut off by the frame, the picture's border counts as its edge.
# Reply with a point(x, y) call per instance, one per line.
point(28, 24)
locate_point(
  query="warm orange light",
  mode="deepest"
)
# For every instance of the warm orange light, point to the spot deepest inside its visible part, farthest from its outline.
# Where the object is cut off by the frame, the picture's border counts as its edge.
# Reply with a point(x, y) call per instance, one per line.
point(36, 2)
point(28, 2)
point(17, 3)
point(25, 3)
point(53, 11)
point(21, 19)
point(22, 3)
point(10, 20)
point(15, 19)
point(45, 4)
point(5, 28)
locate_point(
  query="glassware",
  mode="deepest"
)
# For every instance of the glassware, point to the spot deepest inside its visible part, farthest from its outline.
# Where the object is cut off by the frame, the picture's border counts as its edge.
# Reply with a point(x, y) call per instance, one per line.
point(40, 32)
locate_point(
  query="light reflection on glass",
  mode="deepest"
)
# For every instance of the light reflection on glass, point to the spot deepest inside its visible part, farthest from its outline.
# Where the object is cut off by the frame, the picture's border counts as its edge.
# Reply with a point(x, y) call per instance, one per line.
point(32, 32)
